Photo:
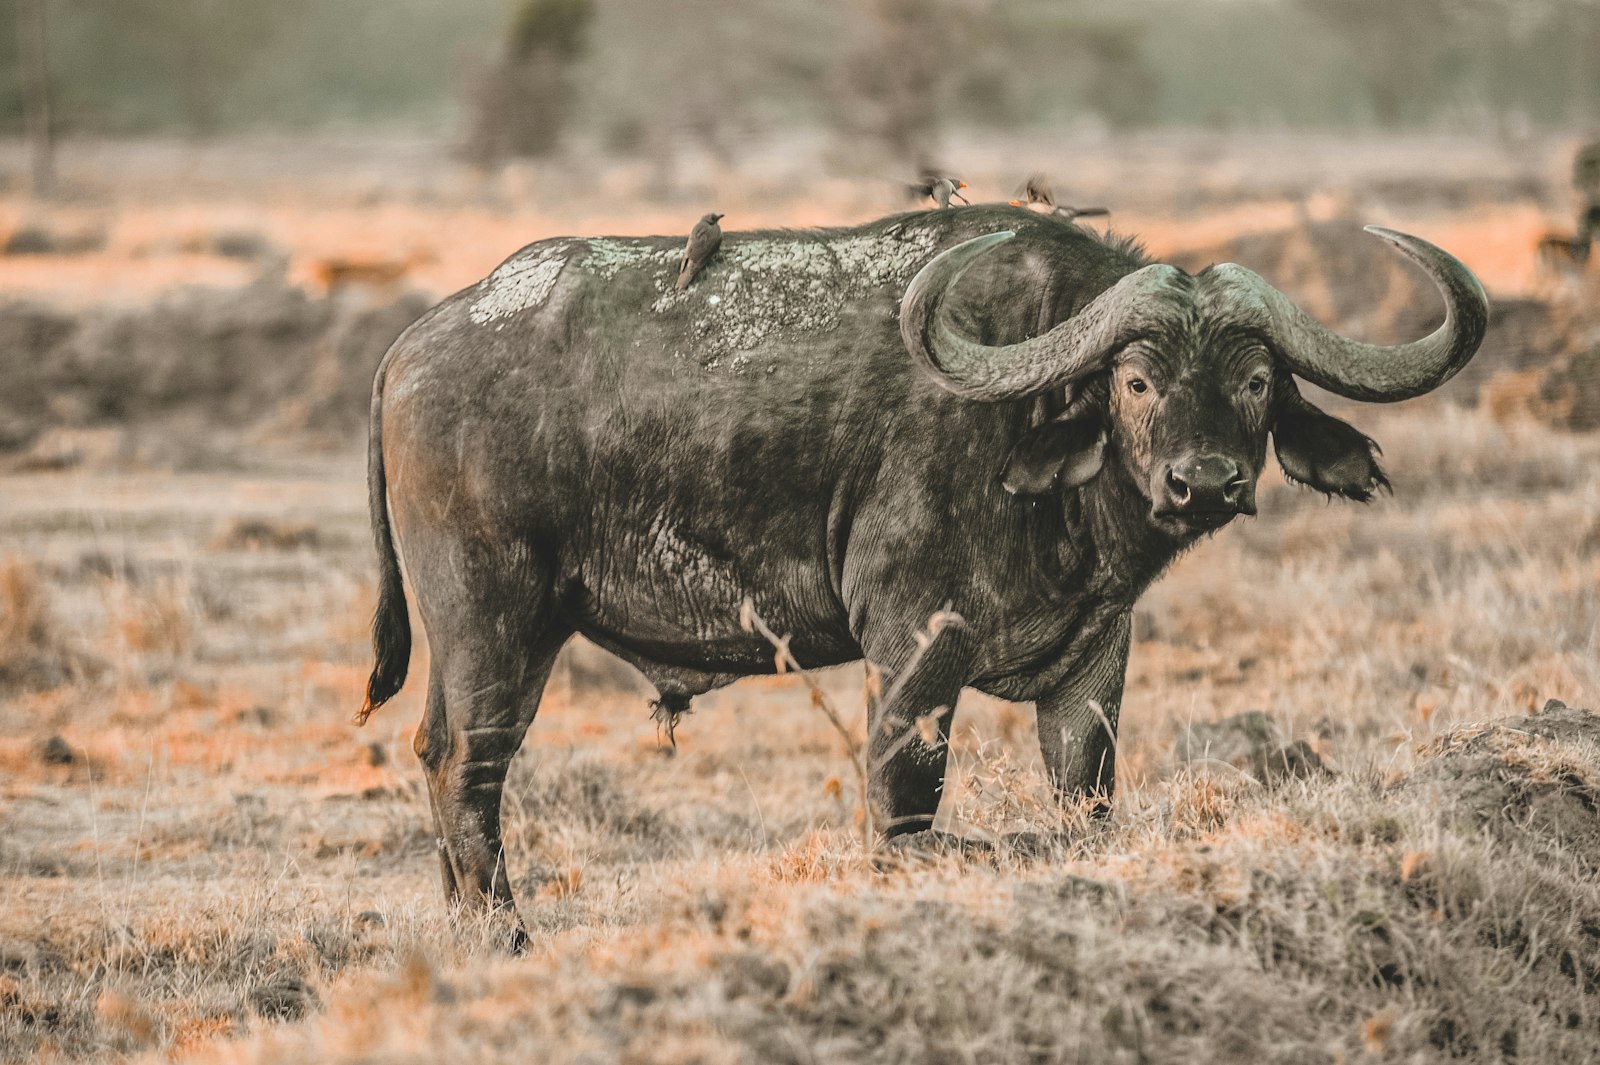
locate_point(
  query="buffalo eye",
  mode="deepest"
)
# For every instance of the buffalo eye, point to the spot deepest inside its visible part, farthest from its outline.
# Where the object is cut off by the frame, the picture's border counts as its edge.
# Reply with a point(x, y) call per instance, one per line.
point(1258, 384)
point(1137, 386)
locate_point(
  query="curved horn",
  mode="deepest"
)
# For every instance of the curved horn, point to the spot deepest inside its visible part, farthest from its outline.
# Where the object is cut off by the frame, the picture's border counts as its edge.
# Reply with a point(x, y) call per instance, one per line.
point(1375, 373)
point(1075, 347)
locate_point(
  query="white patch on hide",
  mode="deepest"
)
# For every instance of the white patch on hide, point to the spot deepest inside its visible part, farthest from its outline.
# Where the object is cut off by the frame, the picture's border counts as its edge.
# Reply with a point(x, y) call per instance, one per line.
point(519, 284)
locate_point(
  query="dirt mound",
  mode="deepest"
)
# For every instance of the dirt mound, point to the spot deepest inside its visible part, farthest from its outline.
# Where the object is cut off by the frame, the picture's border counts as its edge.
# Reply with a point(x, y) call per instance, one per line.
point(268, 355)
point(1530, 780)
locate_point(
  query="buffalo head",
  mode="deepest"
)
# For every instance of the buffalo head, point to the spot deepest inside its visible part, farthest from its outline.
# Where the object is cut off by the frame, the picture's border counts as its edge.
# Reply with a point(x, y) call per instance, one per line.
point(1180, 378)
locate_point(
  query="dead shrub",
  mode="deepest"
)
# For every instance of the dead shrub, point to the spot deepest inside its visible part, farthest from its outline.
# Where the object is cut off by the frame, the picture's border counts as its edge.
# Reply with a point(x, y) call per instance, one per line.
point(155, 620)
point(44, 240)
point(24, 614)
point(33, 652)
point(262, 534)
point(1527, 395)
point(128, 1024)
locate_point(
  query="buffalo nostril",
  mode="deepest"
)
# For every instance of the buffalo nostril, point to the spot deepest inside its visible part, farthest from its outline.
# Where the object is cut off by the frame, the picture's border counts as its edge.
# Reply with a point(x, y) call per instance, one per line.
point(1236, 489)
point(1177, 488)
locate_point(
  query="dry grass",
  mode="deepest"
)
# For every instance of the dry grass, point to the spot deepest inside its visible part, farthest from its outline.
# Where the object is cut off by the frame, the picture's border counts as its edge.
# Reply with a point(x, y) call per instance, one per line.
point(224, 857)
point(202, 860)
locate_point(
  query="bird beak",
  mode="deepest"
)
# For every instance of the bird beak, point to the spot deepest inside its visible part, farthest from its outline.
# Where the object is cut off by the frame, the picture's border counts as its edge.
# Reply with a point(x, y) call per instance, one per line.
point(1015, 203)
point(961, 184)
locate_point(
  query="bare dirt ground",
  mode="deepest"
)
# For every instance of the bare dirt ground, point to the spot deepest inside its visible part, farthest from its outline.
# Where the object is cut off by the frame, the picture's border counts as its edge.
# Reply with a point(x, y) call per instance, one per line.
point(203, 859)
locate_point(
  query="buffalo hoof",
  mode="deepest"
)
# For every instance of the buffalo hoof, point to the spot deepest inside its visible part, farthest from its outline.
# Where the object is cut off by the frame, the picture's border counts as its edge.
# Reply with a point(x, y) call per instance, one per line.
point(1094, 821)
point(927, 846)
point(1085, 887)
point(1037, 844)
point(500, 929)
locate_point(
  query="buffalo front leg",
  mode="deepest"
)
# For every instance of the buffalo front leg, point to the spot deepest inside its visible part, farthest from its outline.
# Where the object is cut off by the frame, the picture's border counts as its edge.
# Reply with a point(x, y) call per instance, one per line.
point(1078, 723)
point(479, 709)
point(908, 724)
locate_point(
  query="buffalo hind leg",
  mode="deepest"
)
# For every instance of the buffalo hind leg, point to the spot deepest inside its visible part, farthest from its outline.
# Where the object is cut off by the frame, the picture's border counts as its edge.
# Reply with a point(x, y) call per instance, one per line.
point(433, 736)
point(482, 698)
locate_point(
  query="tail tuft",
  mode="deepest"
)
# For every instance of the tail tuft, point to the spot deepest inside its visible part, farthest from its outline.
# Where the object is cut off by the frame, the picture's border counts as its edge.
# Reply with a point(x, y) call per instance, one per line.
point(391, 643)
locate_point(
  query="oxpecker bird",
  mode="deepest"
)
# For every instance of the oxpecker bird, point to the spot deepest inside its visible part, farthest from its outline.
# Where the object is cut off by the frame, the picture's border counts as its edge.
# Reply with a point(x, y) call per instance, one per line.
point(704, 240)
point(940, 188)
point(1036, 192)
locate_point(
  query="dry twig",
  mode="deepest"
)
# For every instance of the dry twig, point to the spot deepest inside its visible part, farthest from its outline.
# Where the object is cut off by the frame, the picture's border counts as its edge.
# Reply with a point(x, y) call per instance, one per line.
point(854, 745)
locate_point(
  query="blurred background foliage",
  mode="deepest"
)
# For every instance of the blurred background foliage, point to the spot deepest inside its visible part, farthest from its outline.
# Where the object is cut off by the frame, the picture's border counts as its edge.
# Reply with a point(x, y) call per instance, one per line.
point(623, 71)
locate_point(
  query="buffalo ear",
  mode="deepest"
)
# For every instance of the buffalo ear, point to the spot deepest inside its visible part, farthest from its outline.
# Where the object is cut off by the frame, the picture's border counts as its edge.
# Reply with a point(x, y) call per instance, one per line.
point(1324, 453)
point(1064, 453)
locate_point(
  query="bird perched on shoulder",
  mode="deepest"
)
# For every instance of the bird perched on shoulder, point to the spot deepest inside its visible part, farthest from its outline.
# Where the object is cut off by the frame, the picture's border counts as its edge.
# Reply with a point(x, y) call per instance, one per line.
point(940, 187)
point(704, 240)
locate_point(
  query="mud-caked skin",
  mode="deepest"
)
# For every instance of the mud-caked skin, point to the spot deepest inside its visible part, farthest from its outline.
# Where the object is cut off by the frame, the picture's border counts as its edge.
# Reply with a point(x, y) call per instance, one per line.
point(977, 408)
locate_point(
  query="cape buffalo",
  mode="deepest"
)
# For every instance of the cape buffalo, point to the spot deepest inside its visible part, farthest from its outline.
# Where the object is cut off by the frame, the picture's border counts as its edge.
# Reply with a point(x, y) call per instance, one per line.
point(980, 408)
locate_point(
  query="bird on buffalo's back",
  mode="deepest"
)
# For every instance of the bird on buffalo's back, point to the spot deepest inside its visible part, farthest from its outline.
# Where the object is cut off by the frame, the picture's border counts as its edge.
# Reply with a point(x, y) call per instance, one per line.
point(1037, 192)
point(940, 187)
point(704, 240)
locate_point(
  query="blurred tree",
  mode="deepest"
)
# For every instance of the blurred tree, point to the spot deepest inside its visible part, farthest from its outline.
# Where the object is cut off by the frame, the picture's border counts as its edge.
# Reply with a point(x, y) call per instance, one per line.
point(197, 49)
point(897, 80)
point(520, 104)
point(33, 40)
point(705, 75)
point(921, 63)
point(550, 27)
point(1120, 86)
point(1415, 55)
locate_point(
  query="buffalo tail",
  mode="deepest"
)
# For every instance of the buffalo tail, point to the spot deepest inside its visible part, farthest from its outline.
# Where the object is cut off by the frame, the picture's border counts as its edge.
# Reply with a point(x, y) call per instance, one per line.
point(391, 625)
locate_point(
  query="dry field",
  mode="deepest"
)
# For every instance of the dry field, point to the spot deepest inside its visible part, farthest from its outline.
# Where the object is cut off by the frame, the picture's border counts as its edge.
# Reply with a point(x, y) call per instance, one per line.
point(201, 858)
